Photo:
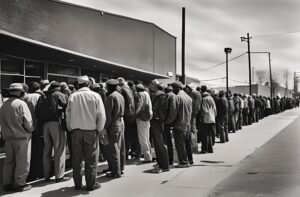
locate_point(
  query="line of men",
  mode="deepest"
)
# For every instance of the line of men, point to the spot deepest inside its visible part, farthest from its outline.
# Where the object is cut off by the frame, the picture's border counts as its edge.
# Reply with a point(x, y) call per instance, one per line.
point(127, 118)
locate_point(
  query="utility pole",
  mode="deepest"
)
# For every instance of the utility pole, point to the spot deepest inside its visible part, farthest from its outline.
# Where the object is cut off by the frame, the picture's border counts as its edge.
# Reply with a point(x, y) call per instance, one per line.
point(227, 51)
point(247, 39)
point(183, 80)
point(271, 80)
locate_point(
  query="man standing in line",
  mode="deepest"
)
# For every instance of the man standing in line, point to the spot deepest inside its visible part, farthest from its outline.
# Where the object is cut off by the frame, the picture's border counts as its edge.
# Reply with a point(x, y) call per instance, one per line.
point(157, 126)
point(129, 118)
point(36, 162)
point(222, 117)
point(86, 118)
point(167, 130)
point(180, 117)
point(245, 111)
point(16, 127)
point(208, 113)
point(144, 115)
point(54, 136)
point(231, 118)
point(237, 108)
point(114, 108)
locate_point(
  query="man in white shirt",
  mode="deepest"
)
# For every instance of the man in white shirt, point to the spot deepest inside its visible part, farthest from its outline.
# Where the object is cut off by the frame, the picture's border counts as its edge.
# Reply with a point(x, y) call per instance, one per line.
point(85, 117)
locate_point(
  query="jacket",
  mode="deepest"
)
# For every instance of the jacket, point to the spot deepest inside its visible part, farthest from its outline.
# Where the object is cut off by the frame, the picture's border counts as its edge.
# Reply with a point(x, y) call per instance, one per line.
point(158, 105)
point(208, 111)
point(129, 114)
point(180, 112)
point(222, 109)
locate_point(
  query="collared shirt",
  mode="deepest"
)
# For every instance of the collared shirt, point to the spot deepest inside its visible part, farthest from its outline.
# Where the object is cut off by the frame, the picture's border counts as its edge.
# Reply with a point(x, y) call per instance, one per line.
point(15, 120)
point(85, 111)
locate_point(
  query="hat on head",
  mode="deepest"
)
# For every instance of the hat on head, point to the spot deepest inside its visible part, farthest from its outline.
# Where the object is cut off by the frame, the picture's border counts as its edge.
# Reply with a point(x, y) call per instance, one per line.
point(155, 82)
point(112, 82)
point(169, 88)
point(83, 79)
point(95, 85)
point(54, 84)
point(34, 86)
point(176, 84)
point(44, 82)
point(140, 86)
point(16, 86)
point(121, 80)
point(63, 85)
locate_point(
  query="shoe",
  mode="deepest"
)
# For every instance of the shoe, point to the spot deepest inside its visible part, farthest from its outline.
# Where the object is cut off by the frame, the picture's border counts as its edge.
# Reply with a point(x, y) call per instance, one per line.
point(122, 172)
point(149, 161)
point(203, 152)
point(112, 175)
point(191, 162)
point(78, 187)
point(23, 188)
point(62, 179)
point(165, 170)
point(182, 166)
point(96, 186)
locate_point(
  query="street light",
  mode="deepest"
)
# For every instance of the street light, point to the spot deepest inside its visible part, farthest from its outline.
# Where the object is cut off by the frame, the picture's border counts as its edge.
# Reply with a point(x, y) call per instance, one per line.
point(247, 39)
point(227, 51)
point(271, 81)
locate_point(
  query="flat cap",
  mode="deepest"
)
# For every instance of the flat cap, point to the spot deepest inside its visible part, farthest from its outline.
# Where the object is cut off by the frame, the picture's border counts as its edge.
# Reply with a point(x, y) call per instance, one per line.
point(169, 88)
point(177, 84)
point(140, 86)
point(44, 82)
point(83, 79)
point(112, 82)
point(121, 80)
point(34, 85)
point(15, 86)
point(54, 84)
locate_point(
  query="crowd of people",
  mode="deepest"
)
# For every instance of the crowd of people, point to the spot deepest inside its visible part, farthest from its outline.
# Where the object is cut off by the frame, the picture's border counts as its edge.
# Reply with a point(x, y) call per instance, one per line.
point(117, 121)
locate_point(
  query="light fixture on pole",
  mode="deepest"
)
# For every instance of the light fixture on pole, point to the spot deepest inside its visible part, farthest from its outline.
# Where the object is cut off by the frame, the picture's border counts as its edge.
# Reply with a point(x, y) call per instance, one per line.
point(227, 51)
point(247, 39)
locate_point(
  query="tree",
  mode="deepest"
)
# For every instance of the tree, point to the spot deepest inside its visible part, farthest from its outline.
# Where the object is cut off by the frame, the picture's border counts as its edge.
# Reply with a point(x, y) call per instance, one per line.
point(261, 76)
point(286, 75)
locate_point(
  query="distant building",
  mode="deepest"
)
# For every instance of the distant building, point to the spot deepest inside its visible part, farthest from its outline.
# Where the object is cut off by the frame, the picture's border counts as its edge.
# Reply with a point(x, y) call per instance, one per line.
point(259, 90)
point(47, 39)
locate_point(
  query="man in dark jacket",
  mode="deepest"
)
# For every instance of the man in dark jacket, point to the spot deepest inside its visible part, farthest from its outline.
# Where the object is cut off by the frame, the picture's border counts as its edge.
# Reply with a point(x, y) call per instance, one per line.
point(131, 139)
point(114, 108)
point(158, 98)
point(237, 107)
point(180, 117)
point(52, 132)
point(167, 128)
point(222, 117)
point(231, 118)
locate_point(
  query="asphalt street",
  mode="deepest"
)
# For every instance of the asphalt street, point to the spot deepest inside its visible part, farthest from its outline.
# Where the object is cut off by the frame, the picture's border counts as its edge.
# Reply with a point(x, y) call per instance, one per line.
point(250, 162)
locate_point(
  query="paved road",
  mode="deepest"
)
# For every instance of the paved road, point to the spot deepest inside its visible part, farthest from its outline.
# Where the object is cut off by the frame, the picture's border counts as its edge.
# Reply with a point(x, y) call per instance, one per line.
point(208, 171)
point(273, 170)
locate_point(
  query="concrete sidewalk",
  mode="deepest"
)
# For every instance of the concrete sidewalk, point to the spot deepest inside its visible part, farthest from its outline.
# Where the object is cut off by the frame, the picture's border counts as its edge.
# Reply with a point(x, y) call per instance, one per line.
point(208, 170)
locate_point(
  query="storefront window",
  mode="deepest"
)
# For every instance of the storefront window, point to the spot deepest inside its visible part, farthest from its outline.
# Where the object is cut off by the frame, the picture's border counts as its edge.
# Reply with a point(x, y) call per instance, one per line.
point(35, 69)
point(12, 66)
point(63, 70)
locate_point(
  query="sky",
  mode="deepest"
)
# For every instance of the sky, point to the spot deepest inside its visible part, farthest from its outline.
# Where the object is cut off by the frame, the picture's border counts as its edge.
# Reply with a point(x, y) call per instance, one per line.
point(212, 25)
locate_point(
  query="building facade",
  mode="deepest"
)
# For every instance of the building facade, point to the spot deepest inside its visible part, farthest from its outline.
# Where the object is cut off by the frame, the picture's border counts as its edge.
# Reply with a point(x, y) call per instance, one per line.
point(46, 39)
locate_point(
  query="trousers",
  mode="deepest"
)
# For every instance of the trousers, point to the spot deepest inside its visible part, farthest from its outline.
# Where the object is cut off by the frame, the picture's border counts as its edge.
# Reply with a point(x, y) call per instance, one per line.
point(143, 128)
point(54, 138)
point(85, 147)
point(17, 161)
point(156, 131)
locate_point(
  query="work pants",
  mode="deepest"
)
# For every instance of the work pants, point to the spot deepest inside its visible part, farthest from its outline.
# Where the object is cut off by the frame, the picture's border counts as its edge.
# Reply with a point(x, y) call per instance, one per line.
point(220, 124)
point(131, 138)
point(36, 162)
point(206, 129)
point(231, 123)
point(85, 147)
point(180, 137)
point(156, 131)
point(17, 161)
point(168, 141)
point(54, 138)
point(114, 149)
point(245, 116)
point(143, 128)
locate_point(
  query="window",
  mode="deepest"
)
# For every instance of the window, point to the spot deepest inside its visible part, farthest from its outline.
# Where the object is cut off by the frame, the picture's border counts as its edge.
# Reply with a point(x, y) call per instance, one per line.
point(63, 70)
point(35, 69)
point(91, 73)
point(12, 66)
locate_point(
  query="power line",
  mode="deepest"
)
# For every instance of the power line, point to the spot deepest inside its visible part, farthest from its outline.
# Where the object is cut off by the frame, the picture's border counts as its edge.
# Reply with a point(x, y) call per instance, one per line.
point(220, 64)
point(276, 34)
point(238, 81)
point(213, 79)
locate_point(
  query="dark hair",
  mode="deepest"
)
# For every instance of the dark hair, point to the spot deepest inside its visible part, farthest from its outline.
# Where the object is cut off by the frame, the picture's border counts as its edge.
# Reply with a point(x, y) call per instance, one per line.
point(203, 88)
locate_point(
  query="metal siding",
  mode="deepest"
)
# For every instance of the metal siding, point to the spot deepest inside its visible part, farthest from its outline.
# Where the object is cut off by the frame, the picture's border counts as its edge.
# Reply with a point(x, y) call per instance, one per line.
point(110, 37)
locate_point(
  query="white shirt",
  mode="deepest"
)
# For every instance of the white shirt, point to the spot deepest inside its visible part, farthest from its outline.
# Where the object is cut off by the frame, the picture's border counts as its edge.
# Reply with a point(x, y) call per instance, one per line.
point(85, 111)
